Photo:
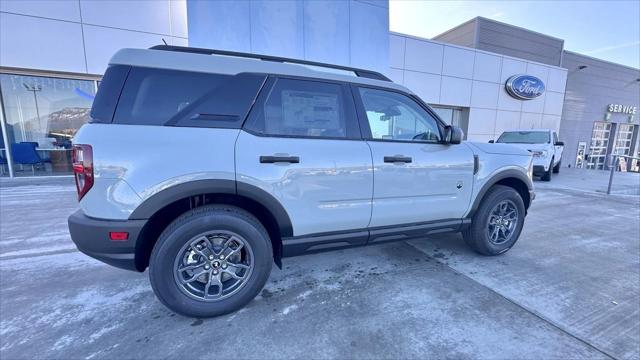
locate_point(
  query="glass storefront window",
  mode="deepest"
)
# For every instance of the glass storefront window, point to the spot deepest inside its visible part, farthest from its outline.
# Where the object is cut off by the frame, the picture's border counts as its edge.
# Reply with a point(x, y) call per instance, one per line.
point(453, 116)
point(41, 115)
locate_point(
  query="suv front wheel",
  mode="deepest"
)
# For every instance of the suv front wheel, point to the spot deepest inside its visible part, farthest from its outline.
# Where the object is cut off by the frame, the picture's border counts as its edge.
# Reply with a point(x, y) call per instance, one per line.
point(210, 261)
point(496, 225)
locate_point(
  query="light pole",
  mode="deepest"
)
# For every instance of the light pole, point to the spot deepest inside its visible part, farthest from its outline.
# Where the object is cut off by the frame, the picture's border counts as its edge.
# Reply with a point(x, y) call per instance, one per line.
point(34, 88)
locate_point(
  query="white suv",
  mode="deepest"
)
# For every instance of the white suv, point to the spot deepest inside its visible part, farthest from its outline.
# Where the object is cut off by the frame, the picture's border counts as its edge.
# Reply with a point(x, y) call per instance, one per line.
point(543, 144)
point(209, 166)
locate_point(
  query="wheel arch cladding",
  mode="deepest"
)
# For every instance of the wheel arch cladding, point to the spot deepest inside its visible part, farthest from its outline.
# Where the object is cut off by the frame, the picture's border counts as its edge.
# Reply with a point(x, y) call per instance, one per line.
point(162, 208)
point(511, 178)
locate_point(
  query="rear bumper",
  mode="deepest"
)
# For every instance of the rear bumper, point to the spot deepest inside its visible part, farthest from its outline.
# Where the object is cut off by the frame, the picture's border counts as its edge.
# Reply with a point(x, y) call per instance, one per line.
point(91, 237)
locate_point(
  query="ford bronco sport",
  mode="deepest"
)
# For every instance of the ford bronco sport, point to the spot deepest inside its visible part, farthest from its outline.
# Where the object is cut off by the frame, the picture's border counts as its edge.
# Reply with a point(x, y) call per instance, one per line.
point(208, 166)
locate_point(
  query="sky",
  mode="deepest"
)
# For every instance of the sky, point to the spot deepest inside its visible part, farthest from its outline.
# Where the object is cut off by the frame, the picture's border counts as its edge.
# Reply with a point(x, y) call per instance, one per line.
point(608, 30)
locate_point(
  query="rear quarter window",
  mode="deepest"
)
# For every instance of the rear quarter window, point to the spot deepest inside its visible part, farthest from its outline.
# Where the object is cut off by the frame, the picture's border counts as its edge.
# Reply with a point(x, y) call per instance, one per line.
point(104, 104)
point(153, 96)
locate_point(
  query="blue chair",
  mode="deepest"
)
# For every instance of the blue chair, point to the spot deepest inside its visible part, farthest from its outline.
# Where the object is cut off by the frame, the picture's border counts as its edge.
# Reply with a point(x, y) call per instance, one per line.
point(25, 154)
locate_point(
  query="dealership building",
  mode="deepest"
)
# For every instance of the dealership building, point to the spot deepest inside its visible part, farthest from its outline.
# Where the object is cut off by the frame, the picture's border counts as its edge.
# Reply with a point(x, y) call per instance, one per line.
point(53, 53)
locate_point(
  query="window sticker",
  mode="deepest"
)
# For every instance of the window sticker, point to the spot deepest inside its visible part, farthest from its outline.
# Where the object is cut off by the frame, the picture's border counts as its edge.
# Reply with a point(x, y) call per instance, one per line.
point(312, 110)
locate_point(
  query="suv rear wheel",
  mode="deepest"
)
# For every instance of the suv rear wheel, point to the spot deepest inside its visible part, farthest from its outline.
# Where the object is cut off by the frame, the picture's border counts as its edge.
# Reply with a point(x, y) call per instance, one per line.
point(497, 223)
point(210, 261)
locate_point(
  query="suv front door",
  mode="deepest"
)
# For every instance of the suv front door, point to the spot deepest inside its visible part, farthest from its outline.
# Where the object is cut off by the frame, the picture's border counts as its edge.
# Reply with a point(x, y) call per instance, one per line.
point(302, 144)
point(417, 178)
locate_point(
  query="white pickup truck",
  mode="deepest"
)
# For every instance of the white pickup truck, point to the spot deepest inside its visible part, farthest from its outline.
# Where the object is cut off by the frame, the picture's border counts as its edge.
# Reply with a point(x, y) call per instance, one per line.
point(543, 144)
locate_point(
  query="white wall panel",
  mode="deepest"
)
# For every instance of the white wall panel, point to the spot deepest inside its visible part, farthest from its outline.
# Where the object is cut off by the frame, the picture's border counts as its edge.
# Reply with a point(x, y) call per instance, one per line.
point(455, 91)
point(506, 120)
point(484, 95)
point(530, 121)
point(101, 43)
point(512, 67)
point(551, 122)
point(179, 18)
point(535, 105)
point(539, 71)
point(139, 15)
point(37, 43)
point(557, 80)
point(458, 62)
point(396, 51)
point(53, 9)
point(487, 67)
point(369, 34)
point(427, 86)
point(480, 138)
point(482, 121)
point(178, 41)
point(326, 31)
point(277, 28)
point(220, 25)
point(380, 3)
point(423, 56)
point(506, 102)
point(396, 75)
point(553, 103)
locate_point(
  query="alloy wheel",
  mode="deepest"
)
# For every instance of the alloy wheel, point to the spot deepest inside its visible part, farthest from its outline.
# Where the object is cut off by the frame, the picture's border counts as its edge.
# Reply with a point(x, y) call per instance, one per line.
point(502, 222)
point(213, 266)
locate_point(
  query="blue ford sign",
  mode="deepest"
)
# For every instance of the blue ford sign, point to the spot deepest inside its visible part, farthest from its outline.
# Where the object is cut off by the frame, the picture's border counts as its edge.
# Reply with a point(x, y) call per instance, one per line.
point(524, 87)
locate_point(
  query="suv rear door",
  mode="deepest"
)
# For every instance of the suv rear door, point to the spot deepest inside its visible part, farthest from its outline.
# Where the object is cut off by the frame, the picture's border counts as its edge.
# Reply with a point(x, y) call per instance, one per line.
point(417, 178)
point(302, 144)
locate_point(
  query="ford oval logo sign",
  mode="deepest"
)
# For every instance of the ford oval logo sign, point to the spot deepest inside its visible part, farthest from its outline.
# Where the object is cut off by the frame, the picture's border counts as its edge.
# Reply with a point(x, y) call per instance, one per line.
point(524, 87)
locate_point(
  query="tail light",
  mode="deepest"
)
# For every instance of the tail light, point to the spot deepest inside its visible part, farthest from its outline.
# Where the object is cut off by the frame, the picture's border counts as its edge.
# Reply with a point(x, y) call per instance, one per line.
point(83, 168)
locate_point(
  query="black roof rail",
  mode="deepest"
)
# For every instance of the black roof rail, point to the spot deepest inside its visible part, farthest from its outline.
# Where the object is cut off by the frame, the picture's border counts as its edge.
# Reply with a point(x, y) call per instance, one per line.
point(359, 72)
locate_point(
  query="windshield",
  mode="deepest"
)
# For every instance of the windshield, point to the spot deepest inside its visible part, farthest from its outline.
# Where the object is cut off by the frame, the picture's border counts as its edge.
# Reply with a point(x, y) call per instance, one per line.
point(524, 137)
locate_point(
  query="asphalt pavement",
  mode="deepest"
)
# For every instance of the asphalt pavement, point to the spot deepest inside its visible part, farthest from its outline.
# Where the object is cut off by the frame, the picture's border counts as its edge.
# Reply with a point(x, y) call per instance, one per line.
point(570, 288)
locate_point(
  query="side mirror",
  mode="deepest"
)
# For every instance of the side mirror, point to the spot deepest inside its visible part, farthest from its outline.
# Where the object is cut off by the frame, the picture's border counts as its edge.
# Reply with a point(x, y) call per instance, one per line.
point(453, 134)
point(491, 141)
point(559, 143)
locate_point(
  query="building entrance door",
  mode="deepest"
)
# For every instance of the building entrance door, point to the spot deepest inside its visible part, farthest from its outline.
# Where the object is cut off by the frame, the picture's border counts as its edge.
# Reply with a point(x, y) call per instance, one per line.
point(623, 141)
point(599, 145)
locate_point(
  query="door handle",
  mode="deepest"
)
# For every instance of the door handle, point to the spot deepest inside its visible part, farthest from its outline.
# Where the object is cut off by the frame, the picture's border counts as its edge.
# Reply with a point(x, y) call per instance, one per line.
point(397, 159)
point(264, 159)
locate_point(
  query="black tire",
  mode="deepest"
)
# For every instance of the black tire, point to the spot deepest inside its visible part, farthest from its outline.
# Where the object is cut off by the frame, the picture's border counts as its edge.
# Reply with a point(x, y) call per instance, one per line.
point(476, 235)
point(189, 226)
point(547, 175)
point(556, 169)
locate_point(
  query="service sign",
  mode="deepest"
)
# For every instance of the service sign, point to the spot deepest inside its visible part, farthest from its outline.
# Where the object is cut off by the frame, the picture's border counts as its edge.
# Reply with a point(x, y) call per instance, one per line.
point(524, 87)
point(623, 109)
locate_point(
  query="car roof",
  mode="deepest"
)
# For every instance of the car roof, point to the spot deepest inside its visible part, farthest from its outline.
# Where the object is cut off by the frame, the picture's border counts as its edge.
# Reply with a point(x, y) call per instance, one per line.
point(232, 65)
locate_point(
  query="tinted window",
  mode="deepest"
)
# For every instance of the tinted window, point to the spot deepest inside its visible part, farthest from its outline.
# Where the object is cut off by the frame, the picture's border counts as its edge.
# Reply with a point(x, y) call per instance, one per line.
point(306, 109)
point(393, 116)
point(524, 137)
point(109, 90)
point(153, 96)
point(555, 137)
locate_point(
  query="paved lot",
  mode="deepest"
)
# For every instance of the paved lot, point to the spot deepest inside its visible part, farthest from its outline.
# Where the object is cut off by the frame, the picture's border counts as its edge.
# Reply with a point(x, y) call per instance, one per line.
point(569, 289)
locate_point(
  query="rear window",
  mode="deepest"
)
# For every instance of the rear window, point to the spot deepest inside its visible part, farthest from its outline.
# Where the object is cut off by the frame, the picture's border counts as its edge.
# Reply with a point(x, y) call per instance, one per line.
point(153, 96)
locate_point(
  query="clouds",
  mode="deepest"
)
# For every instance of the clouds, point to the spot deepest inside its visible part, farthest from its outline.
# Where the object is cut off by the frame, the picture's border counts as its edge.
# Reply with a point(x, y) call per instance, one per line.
point(612, 47)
